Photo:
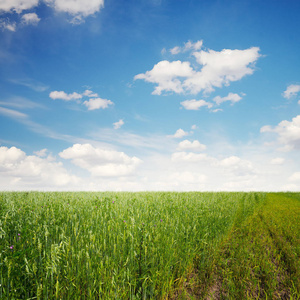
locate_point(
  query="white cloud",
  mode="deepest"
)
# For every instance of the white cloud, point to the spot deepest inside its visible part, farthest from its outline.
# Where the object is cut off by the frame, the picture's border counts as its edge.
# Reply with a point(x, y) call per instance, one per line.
point(17, 170)
point(189, 157)
point(193, 46)
point(41, 153)
point(97, 103)
point(77, 8)
point(218, 69)
point(195, 104)
point(118, 124)
point(194, 127)
point(295, 177)
point(277, 161)
point(237, 165)
point(188, 46)
point(175, 50)
point(101, 162)
point(288, 133)
point(216, 110)
point(291, 91)
point(8, 26)
point(12, 113)
point(186, 177)
point(30, 83)
point(21, 103)
point(166, 74)
point(64, 96)
point(179, 134)
point(17, 5)
point(233, 98)
point(266, 128)
point(30, 18)
point(194, 145)
point(90, 94)
point(94, 102)
point(232, 165)
point(221, 68)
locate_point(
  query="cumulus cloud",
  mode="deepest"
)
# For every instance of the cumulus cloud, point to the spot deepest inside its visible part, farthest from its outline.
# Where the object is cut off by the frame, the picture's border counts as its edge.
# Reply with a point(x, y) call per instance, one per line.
point(179, 134)
point(17, 5)
point(166, 75)
point(195, 104)
point(194, 145)
point(78, 9)
point(101, 162)
point(288, 133)
point(30, 19)
point(81, 8)
point(233, 98)
point(291, 91)
point(64, 96)
point(219, 68)
point(118, 124)
point(96, 103)
point(31, 171)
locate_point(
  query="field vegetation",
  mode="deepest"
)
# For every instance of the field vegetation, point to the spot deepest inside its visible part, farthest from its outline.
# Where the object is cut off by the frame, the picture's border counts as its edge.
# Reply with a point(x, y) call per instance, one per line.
point(149, 245)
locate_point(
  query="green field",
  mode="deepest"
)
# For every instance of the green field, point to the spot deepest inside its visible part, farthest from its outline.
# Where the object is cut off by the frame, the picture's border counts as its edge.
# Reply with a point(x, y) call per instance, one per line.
point(149, 245)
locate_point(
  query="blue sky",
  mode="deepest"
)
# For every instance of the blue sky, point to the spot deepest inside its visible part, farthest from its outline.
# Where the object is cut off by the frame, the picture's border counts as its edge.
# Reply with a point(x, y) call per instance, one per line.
point(149, 95)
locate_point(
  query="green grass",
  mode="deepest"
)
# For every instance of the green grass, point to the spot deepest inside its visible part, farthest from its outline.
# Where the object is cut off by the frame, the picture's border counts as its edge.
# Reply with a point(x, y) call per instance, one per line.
point(149, 245)
point(260, 257)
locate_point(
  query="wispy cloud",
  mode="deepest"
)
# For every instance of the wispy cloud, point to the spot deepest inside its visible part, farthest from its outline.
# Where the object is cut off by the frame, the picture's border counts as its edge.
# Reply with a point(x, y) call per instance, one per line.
point(30, 83)
point(7, 25)
point(13, 113)
point(21, 103)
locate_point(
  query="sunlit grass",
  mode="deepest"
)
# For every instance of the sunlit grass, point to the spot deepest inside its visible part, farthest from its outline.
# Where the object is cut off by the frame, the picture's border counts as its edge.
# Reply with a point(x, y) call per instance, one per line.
point(260, 258)
point(119, 245)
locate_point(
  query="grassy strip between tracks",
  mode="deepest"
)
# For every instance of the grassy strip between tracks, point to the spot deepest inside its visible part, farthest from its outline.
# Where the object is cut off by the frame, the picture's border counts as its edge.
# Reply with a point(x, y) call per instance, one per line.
point(259, 259)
